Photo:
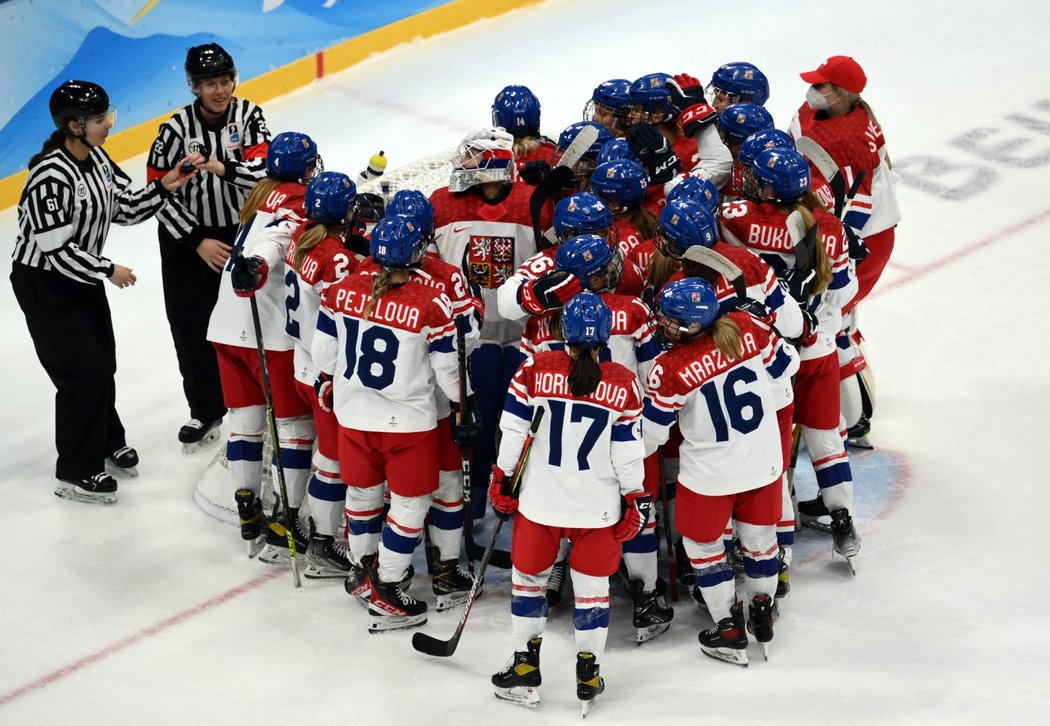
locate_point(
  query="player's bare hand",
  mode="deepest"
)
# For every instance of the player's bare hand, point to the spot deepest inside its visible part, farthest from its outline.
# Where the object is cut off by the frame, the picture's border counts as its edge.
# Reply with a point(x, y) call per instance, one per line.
point(122, 276)
point(214, 252)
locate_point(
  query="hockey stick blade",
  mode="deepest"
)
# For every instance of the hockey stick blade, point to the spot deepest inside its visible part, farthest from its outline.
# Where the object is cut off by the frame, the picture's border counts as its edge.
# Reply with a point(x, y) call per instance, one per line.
point(500, 558)
point(557, 180)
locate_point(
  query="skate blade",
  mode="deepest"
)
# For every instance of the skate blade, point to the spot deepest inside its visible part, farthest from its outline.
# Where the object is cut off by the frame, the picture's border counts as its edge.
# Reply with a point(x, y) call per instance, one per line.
point(851, 562)
point(644, 635)
point(387, 623)
point(453, 600)
point(72, 493)
point(323, 572)
point(209, 438)
point(859, 442)
point(727, 655)
point(585, 707)
point(255, 546)
point(816, 524)
point(519, 695)
point(764, 647)
point(131, 471)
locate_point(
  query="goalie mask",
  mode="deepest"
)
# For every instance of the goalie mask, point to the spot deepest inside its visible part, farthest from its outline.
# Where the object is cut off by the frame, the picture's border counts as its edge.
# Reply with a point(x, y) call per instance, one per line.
point(486, 155)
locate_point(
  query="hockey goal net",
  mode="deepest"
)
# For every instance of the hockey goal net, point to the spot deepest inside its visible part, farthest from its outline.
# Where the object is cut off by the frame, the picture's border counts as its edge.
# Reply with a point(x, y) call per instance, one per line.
point(216, 486)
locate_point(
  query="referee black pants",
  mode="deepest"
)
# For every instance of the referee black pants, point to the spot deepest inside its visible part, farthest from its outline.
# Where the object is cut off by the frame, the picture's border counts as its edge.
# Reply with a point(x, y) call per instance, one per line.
point(190, 291)
point(72, 331)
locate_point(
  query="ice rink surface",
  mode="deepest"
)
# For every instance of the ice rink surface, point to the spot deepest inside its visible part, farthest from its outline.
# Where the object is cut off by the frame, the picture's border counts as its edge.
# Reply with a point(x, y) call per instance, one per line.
point(149, 612)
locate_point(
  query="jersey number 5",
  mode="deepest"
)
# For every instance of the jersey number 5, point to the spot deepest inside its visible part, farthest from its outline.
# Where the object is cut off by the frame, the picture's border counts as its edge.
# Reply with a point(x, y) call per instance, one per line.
point(598, 418)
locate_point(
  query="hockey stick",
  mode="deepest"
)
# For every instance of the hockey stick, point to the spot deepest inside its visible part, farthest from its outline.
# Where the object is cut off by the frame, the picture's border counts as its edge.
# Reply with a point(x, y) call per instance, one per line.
point(709, 258)
point(559, 178)
point(672, 565)
point(796, 437)
point(464, 449)
point(826, 166)
point(444, 648)
point(272, 420)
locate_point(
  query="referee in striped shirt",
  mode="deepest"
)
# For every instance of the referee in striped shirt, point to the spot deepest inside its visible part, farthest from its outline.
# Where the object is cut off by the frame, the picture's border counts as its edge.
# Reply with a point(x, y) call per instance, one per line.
point(198, 226)
point(73, 193)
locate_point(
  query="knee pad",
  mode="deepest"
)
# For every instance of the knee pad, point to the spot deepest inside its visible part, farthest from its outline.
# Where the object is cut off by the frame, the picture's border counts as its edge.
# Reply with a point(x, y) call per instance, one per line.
point(248, 421)
point(297, 429)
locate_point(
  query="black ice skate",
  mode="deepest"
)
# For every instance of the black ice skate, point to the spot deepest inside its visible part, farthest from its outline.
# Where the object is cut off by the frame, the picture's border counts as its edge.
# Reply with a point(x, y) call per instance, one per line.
point(253, 521)
point(391, 608)
point(556, 583)
point(276, 550)
point(760, 621)
point(857, 434)
point(195, 434)
point(727, 641)
point(652, 614)
point(518, 681)
point(783, 578)
point(845, 538)
point(326, 558)
point(358, 584)
point(124, 460)
point(98, 489)
point(589, 684)
point(686, 575)
point(451, 585)
point(810, 512)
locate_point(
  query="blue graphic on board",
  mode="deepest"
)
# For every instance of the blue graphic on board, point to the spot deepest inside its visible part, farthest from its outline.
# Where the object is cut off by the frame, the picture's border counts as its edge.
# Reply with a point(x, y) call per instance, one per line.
point(136, 49)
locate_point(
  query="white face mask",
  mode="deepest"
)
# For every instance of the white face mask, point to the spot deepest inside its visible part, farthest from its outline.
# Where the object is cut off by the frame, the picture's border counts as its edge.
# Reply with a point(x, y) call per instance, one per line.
point(816, 100)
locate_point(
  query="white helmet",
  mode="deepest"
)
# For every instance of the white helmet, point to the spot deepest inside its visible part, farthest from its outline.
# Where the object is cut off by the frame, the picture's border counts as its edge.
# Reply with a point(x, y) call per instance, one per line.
point(485, 155)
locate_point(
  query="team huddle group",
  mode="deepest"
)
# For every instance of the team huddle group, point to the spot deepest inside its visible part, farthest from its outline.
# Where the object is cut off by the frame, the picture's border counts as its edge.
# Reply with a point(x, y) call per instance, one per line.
point(655, 308)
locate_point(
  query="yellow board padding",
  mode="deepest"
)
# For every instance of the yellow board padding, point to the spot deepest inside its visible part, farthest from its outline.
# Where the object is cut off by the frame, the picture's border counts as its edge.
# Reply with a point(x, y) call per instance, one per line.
point(136, 140)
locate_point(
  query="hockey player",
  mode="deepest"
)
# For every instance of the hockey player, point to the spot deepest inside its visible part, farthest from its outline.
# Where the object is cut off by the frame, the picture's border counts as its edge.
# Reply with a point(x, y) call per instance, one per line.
point(671, 128)
point(73, 193)
point(380, 345)
point(517, 111)
point(735, 124)
point(740, 277)
point(482, 225)
point(269, 216)
point(622, 184)
point(715, 380)
point(444, 524)
point(738, 82)
point(586, 456)
point(779, 181)
point(777, 139)
point(198, 225)
point(607, 105)
point(583, 168)
point(839, 120)
point(323, 250)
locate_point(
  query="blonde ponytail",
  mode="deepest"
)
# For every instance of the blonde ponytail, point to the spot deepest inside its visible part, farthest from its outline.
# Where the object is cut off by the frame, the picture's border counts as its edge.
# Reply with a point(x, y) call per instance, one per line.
point(726, 336)
point(256, 197)
point(379, 286)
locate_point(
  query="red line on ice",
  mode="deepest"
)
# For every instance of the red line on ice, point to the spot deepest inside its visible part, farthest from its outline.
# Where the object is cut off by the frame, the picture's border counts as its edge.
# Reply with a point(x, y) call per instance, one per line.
point(977, 246)
point(143, 634)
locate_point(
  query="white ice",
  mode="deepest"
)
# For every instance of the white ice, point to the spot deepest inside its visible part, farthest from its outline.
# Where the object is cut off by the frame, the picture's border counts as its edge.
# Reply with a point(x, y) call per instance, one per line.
point(148, 612)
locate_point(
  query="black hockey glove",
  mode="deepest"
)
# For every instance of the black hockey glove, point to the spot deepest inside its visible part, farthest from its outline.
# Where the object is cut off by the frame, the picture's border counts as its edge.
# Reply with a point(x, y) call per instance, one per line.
point(465, 430)
point(248, 274)
point(857, 249)
point(799, 282)
point(654, 152)
point(535, 171)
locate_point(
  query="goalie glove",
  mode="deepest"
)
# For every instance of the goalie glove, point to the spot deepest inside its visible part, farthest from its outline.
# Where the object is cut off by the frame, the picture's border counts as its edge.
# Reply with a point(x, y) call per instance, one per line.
point(550, 291)
point(696, 118)
point(635, 516)
point(248, 274)
point(654, 152)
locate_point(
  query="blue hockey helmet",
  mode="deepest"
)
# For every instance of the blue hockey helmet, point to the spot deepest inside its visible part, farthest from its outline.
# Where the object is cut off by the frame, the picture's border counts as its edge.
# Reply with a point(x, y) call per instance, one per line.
point(762, 140)
point(581, 213)
point(589, 160)
point(293, 157)
point(621, 183)
point(608, 103)
point(684, 224)
point(397, 241)
point(616, 149)
point(651, 100)
point(699, 190)
point(778, 175)
point(740, 120)
point(586, 321)
point(517, 110)
point(330, 198)
point(683, 310)
point(588, 256)
point(739, 82)
point(415, 203)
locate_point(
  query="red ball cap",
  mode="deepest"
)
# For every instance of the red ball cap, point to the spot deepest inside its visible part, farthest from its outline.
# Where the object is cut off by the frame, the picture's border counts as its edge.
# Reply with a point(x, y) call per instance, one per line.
point(841, 70)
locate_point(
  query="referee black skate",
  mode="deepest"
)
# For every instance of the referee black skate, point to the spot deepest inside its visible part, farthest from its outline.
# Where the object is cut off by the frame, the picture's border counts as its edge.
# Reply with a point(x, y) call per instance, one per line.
point(73, 192)
point(198, 225)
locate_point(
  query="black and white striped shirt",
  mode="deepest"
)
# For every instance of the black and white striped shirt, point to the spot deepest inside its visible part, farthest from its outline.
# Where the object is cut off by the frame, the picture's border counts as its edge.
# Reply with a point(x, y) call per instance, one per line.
point(209, 200)
point(66, 209)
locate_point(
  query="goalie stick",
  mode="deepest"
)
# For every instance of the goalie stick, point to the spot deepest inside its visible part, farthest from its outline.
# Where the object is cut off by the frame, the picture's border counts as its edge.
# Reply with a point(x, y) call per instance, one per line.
point(444, 648)
point(272, 421)
point(560, 177)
